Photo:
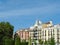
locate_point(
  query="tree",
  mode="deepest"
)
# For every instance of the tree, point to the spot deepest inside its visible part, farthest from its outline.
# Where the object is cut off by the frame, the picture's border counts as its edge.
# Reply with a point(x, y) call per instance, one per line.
point(7, 41)
point(24, 42)
point(6, 30)
point(46, 43)
point(30, 43)
point(52, 41)
point(35, 42)
point(17, 40)
point(40, 42)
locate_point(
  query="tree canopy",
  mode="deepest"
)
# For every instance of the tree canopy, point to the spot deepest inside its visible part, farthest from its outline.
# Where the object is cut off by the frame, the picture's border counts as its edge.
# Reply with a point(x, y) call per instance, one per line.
point(6, 31)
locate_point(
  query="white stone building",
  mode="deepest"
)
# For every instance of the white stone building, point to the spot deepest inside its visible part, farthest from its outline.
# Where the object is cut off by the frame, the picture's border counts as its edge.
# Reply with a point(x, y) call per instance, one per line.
point(44, 31)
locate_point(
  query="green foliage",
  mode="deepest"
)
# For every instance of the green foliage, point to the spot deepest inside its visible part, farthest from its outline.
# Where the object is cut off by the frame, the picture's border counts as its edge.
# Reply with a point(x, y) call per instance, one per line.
point(6, 29)
point(17, 40)
point(35, 42)
point(41, 42)
point(24, 42)
point(49, 42)
point(7, 41)
point(52, 41)
point(6, 32)
point(46, 42)
point(30, 43)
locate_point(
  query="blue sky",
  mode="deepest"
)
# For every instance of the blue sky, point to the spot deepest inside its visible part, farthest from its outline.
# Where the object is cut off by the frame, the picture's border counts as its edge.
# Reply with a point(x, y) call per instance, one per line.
point(24, 13)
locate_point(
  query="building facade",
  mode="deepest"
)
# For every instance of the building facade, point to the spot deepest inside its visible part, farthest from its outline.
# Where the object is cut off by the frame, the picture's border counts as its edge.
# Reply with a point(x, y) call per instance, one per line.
point(23, 34)
point(43, 31)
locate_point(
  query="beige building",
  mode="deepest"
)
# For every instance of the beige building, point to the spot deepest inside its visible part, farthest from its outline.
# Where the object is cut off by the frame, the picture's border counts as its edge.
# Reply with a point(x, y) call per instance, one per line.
point(42, 31)
point(23, 34)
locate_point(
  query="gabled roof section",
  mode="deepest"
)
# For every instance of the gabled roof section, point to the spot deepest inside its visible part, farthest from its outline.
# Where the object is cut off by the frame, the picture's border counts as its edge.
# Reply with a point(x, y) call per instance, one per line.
point(37, 23)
